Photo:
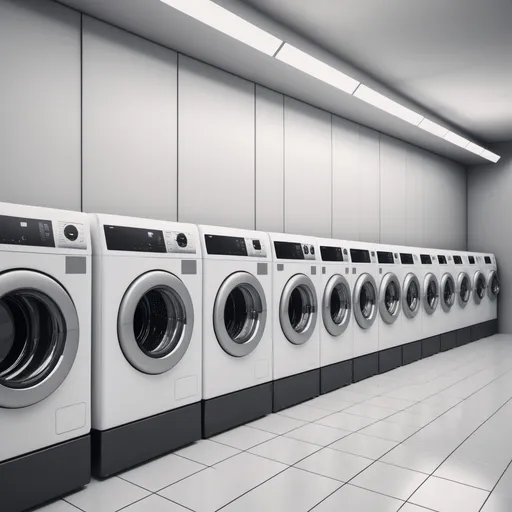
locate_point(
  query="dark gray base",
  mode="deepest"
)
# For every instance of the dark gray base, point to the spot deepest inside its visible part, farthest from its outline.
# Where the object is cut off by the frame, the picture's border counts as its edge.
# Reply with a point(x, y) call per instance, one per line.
point(336, 376)
point(366, 366)
point(411, 352)
point(390, 359)
point(463, 336)
point(296, 389)
point(234, 409)
point(45, 475)
point(483, 330)
point(126, 446)
point(430, 346)
point(448, 341)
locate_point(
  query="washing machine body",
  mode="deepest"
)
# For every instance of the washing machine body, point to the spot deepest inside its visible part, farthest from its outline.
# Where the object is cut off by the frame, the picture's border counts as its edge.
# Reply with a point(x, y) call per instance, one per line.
point(365, 308)
point(237, 327)
point(464, 305)
point(489, 302)
point(296, 296)
point(479, 278)
point(448, 300)
point(336, 323)
point(45, 354)
point(147, 311)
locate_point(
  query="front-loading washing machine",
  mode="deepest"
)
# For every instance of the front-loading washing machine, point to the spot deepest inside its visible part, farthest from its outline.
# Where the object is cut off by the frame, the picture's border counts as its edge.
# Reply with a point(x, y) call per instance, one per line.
point(389, 319)
point(237, 327)
point(336, 325)
point(479, 277)
point(45, 354)
point(464, 305)
point(488, 304)
point(448, 301)
point(365, 307)
point(147, 298)
point(296, 324)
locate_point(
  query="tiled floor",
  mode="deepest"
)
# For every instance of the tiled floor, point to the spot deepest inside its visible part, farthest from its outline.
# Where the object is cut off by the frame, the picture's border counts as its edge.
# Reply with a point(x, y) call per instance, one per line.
point(433, 435)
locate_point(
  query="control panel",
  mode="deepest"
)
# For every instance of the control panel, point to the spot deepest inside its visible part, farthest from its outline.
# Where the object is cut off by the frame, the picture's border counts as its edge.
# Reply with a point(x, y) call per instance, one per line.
point(179, 242)
point(385, 257)
point(407, 259)
point(457, 259)
point(332, 253)
point(294, 251)
point(488, 260)
point(426, 259)
point(471, 260)
point(235, 246)
point(362, 256)
point(71, 235)
point(442, 259)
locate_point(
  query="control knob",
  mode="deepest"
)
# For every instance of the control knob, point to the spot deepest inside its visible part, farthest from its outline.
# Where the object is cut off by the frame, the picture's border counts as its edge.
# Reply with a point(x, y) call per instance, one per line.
point(71, 232)
point(181, 240)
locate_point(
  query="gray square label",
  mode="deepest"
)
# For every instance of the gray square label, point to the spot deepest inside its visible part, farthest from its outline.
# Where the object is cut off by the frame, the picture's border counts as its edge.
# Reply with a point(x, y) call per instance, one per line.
point(188, 267)
point(313, 271)
point(354, 271)
point(262, 269)
point(76, 265)
point(280, 267)
point(323, 270)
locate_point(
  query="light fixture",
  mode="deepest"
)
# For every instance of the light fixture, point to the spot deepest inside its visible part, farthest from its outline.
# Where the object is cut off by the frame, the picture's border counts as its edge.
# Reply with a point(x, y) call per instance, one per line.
point(225, 21)
point(391, 107)
point(489, 155)
point(316, 68)
point(456, 139)
point(475, 148)
point(433, 128)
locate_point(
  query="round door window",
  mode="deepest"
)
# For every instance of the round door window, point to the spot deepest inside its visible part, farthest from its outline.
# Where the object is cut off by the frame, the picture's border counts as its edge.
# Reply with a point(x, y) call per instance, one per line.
point(389, 298)
point(480, 286)
point(494, 285)
point(365, 300)
point(448, 290)
point(336, 305)
point(155, 322)
point(411, 296)
point(298, 309)
point(38, 337)
point(240, 313)
point(464, 293)
point(431, 298)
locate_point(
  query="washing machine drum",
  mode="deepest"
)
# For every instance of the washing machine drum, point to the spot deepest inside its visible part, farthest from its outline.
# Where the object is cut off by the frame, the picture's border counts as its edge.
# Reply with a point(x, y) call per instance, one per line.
point(431, 297)
point(448, 292)
point(411, 295)
point(494, 285)
point(155, 322)
point(39, 333)
point(240, 314)
point(336, 305)
point(464, 289)
point(389, 298)
point(365, 301)
point(479, 287)
point(298, 309)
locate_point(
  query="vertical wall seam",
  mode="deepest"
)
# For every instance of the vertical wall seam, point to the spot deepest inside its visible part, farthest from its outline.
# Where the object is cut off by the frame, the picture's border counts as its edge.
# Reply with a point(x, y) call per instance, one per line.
point(81, 112)
point(467, 209)
point(177, 137)
point(332, 182)
point(255, 163)
point(380, 190)
point(284, 168)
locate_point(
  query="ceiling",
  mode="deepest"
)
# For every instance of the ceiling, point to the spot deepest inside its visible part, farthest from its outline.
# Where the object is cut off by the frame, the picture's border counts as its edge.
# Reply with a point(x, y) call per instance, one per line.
point(453, 57)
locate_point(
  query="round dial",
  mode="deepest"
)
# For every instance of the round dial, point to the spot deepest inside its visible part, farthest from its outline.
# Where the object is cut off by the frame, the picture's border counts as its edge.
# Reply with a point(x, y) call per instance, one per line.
point(312, 250)
point(71, 232)
point(306, 249)
point(181, 240)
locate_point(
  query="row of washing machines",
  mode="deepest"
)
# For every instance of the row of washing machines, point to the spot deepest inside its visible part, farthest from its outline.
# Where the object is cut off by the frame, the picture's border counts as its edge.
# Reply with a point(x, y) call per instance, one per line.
point(122, 339)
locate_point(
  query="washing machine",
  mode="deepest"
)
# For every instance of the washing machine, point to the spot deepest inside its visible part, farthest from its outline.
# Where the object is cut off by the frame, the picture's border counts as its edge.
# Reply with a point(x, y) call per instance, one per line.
point(489, 302)
point(365, 307)
point(336, 325)
point(296, 295)
point(389, 319)
point(464, 305)
point(147, 296)
point(45, 354)
point(479, 293)
point(448, 301)
point(237, 327)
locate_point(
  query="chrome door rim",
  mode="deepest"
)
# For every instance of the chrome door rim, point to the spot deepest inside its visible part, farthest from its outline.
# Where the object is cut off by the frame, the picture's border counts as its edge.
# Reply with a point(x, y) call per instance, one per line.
point(408, 281)
point(493, 294)
point(336, 328)
point(477, 278)
point(447, 280)
point(255, 323)
point(389, 316)
point(305, 286)
point(165, 283)
point(20, 280)
point(463, 277)
point(364, 280)
point(430, 308)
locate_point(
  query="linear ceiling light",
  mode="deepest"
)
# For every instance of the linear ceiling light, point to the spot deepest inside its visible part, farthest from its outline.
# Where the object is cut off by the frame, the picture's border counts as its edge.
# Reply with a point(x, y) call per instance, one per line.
point(391, 107)
point(489, 155)
point(316, 68)
point(475, 148)
point(456, 139)
point(433, 128)
point(225, 21)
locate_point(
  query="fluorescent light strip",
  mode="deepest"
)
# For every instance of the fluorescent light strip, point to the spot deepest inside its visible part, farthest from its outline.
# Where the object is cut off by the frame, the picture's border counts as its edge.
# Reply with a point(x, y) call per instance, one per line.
point(475, 148)
point(456, 139)
point(316, 68)
point(228, 23)
point(489, 155)
point(433, 128)
point(391, 107)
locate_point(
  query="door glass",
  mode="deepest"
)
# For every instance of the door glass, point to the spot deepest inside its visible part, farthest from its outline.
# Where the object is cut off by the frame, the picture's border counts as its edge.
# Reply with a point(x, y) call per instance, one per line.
point(300, 308)
point(448, 293)
point(464, 289)
point(241, 315)
point(413, 295)
point(431, 293)
point(367, 299)
point(32, 338)
point(159, 322)
point(392, 297)
point(480, 287)
point(339, 304)
point(495, 285)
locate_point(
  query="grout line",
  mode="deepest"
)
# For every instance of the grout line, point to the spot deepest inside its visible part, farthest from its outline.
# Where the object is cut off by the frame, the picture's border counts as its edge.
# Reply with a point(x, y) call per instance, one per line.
point(496, 485)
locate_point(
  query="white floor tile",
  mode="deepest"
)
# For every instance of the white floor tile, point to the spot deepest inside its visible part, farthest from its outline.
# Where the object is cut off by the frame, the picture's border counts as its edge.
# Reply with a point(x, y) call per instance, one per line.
point(293, 490)
point(410, 507)
point(365, 446)
point(496, 503)
point(106, 496)
point(417, 459)
point(58, 506)
point(305, 412)
point(243, 437)
point(348, 394)
point(370, 411)
point(207, 452)
point(445, 496)
point(390, 403)
point(407, 418)
point(277, 424)
point(346, 421)
point(154, 503)
point(391, 431)
point(285, 450)
point(329, 403)
point(317, 434)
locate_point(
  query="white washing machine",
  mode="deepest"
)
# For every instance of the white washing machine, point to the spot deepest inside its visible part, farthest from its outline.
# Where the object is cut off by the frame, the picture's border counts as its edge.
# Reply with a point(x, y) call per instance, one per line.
point(336, 324)
point(448, 301)
point(147, 297)
point(365, 306)
point(479, 293)
point(488, 311)
point(464, 304)
point(237, 327)
point(45, 354)
point(296, 295)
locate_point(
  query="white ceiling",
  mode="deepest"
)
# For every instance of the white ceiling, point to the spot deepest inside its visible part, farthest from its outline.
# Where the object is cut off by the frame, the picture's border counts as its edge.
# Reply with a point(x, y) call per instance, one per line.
point(454, 57)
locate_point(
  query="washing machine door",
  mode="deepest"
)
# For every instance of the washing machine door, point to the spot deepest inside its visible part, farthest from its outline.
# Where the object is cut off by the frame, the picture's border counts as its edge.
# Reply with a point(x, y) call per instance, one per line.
point(464, 289)
point(479, 287)
point(240, 314)
point(365, 301)
point(411, 295)
point(336, 305)
point(494, 286)
point(431, 290)
point(155, 322)
point(39, 333)
point(298, 309)
point(448, 292)
point(389, 298)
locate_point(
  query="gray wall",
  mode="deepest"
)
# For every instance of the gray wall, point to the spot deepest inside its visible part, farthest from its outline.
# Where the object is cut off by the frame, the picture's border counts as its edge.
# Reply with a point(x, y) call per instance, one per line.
point(169, 137)
point(489, 215)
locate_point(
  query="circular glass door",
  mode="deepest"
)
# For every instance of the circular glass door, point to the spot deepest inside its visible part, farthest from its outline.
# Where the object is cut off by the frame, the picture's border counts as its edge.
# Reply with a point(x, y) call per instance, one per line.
point(431, 298)
point(411, 295)
point(336, 305)
point(389, 298)
point(39, 335)
point(298, 309)
point(448, 292)
point(155, 322)
point(240, 314)
point(464, 289)
point(494, 285)
point(365, 301)
point(479, 287)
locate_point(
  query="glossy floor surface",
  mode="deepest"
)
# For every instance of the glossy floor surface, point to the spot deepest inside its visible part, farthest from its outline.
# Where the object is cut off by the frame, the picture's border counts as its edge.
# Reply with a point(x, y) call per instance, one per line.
point(433, 435)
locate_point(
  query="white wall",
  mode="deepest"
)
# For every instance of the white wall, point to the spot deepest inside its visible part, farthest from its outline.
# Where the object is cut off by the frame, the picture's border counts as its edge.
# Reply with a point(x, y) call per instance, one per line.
point(170, 137)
